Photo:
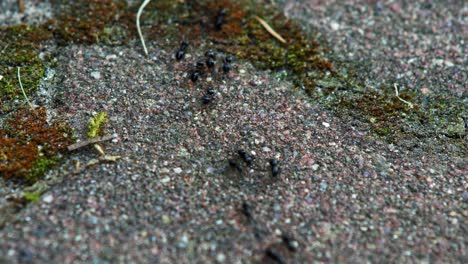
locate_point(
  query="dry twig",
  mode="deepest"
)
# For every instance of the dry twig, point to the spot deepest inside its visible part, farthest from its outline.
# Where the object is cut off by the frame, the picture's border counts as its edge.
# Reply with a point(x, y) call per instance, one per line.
point(90, 141)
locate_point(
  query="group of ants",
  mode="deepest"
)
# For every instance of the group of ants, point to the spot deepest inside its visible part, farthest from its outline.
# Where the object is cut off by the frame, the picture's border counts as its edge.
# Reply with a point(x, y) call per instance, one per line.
point(209, 62)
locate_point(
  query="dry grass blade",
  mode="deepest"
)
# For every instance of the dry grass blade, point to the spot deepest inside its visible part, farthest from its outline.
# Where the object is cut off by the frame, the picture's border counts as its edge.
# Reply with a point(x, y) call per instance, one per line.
point(140, 10)
point(401, 99)
point(270, 30)
point(22, 90)
point(21, 6)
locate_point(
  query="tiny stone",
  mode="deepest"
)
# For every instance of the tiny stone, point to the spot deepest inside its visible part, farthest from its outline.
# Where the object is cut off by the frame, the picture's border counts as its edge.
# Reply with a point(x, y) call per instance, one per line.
point(177, 170)
point(165, 179)
point(48, 198)
point(325, 124)
point(96, 75)
point(111, 57)
point(220, 257)
point(266, 149)
point(315, 167)
point(166, 219)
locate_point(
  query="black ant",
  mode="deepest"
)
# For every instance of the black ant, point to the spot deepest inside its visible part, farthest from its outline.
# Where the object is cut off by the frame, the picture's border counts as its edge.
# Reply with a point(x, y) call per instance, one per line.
point(274, 255)
point(195, 75)
point(197, 72)
point(289, 242)
point(209, 95)
point(220, 19)
point(246, 210)
point(227, 64)
point(245, 156)
point(200, 65)
point(233, 164)
point(210, 61)
point(181, 52)
point(275, 170)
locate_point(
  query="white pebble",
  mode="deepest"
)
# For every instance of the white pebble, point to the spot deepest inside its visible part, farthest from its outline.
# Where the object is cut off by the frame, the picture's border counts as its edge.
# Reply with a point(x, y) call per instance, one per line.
point(220, 257)
point(48, 198)
point(96, 75)
point(165, 179)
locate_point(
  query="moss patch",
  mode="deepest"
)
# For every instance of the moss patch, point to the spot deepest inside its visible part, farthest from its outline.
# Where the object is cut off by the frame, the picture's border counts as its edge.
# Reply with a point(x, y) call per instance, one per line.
point(32, 197)
point(29, 145)
point(241, 34)
point(96, 125)
point(19, 47)
point(93, 21)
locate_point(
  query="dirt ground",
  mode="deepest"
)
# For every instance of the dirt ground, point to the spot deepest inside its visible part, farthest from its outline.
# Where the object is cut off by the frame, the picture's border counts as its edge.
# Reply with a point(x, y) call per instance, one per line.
point(180, 192)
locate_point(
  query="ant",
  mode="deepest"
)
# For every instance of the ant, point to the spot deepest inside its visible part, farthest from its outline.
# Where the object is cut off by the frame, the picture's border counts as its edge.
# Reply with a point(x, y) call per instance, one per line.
point(181, 52)
point(210, 61)
point(195, 76)
point(220, 19)
point(197, 72)
point(245, 156)
point(246, 210)
point(227, 64)
point(289, 242)
point(274, 255)
point(209, 95)
point(275, 170)
point(233, 164)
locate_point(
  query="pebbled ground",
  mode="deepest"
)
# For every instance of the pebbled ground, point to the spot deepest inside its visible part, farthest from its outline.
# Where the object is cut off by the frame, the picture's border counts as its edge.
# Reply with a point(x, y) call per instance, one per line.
point(342, 194)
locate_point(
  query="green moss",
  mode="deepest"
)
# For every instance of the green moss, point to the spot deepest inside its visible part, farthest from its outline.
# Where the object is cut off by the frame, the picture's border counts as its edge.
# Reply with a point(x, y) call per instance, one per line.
point(93, 21)
point(96, 123)
point(242, 35)
point(19, 47)
point(32, 197)
point(40, 167)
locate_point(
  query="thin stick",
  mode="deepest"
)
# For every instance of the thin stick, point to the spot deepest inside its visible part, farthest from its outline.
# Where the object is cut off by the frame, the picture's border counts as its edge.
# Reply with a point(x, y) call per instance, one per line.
point(140, 10)
point(90, 141)
point(270, 30)
point(21, 86)
point(401, 99)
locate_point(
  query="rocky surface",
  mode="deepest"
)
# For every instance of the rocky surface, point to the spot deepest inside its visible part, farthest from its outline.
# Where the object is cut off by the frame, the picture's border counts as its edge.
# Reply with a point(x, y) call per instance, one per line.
point(181, 193)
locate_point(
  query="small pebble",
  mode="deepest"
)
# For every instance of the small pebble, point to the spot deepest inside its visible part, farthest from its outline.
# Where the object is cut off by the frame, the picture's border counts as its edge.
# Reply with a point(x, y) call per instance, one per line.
point(48, 198)
point(96, 75)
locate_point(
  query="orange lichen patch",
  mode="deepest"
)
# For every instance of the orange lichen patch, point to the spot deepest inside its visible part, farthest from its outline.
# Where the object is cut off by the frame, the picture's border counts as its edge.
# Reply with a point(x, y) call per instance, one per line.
point(29, 144)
